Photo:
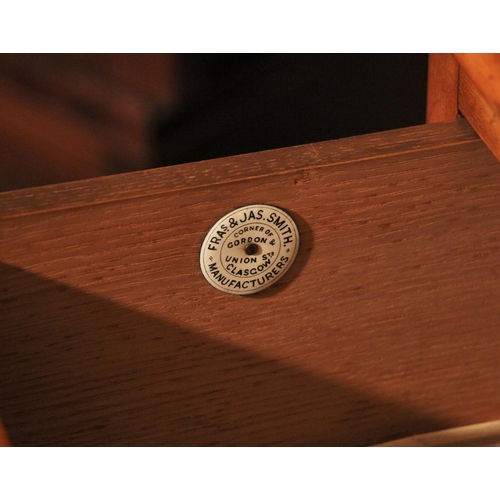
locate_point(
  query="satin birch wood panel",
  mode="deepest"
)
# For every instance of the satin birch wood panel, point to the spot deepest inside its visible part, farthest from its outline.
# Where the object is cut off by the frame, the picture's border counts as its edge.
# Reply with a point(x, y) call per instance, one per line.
point(387, 325)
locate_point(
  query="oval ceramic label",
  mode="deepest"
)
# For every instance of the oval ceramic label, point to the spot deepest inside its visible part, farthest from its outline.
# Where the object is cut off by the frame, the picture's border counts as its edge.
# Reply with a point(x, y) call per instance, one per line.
point(249, 249)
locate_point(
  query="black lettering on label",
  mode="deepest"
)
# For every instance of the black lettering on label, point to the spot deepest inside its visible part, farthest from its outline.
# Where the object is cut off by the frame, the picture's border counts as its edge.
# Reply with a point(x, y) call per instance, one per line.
point(263, 265)
point(288, 239)
point(241, 260)
point(215, 240)
point(211, 247)
point(221, 278)
point(218, 276)
point(284, 259)
point(243, 241)
point(251, 216)
point(275, 271)
point(234, 270)
point(221, 234)
point(246, 229)
point(280, 223)
point(269, 276)
point(276, 220)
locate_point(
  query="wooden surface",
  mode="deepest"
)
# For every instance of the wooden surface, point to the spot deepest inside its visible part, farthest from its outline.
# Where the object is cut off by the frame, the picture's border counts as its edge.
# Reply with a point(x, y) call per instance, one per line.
point(485, 434)
point(386, 325)
point(469, 83)
point(442, 88)
point(484, 72)
point(480, 107)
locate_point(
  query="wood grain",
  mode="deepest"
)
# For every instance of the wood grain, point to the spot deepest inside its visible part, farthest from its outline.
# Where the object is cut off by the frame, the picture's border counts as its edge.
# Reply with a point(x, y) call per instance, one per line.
point(469, 83)
point(484, 72)
point(481, 113)
point(386, 325)
point(229, 170)
point(442, 88)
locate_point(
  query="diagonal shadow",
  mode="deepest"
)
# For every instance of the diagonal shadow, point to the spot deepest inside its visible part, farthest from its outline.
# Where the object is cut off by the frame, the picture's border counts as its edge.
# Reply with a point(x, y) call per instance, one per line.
point(82, 371)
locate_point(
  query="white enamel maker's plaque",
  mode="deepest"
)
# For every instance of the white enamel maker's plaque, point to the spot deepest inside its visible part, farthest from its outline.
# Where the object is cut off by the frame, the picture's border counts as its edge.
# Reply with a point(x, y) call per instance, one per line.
point(249, 249)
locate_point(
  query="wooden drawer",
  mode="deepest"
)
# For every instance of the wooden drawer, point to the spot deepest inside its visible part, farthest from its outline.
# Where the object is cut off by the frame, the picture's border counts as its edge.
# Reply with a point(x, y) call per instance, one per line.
point(386, 325)
point(468, 84)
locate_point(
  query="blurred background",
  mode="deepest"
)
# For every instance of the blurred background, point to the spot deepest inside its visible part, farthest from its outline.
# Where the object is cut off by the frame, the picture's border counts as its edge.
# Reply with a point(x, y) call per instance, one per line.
point(66, 117)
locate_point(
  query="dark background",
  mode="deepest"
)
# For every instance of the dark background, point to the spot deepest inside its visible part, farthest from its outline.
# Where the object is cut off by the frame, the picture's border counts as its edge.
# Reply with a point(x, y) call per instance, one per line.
point(67, 117)
point(242, 103)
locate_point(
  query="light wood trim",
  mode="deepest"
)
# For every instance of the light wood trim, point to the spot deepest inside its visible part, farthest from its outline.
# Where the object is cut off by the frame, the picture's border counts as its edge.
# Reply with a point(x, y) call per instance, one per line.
point(484, 434)
point(484, 72)
point(480, 104)
point(442, 88)
point(469, 84)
